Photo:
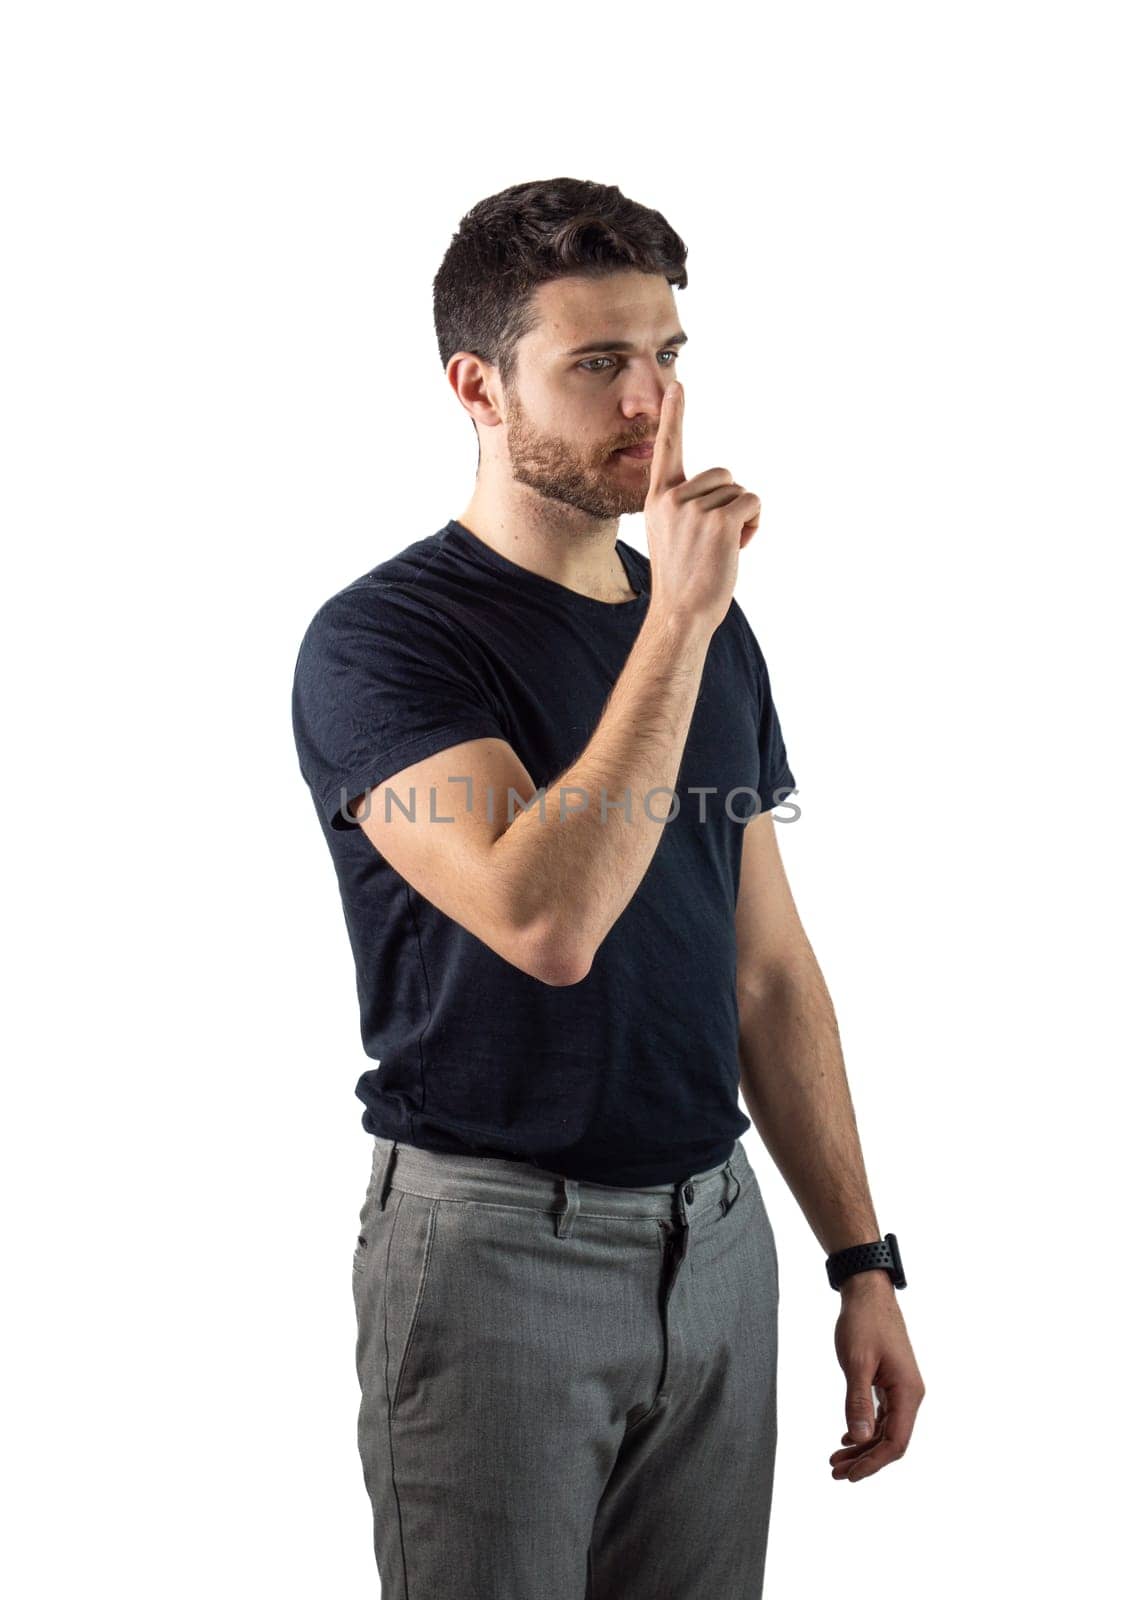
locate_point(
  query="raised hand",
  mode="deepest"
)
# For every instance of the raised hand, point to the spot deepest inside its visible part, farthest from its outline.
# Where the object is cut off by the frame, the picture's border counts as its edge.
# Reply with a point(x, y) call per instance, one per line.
point(696, 526)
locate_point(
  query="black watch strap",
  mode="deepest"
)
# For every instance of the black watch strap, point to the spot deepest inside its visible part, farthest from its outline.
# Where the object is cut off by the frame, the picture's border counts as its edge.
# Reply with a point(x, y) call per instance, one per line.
point(862, 1257)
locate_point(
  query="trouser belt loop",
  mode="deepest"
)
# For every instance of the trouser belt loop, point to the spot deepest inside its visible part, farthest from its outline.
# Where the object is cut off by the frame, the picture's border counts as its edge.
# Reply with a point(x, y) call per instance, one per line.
point(564, 1219)
point(386, 1162)
point(733, 1189)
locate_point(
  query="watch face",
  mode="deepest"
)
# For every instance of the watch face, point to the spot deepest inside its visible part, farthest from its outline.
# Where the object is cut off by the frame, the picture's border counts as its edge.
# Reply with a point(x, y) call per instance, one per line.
point(898, 1273)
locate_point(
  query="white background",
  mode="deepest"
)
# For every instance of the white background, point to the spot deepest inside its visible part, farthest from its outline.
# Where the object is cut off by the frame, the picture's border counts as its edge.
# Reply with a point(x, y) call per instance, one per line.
point(909, 331)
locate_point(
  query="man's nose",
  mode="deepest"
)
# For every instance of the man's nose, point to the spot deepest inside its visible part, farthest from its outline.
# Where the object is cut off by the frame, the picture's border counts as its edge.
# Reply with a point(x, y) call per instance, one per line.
point(644, 399)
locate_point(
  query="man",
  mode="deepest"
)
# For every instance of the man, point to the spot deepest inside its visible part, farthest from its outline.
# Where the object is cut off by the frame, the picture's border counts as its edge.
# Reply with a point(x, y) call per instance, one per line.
point(546, 768)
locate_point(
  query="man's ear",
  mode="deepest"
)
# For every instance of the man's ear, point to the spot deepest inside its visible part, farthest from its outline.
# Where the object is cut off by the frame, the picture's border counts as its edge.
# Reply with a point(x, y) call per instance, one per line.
point(475, 383)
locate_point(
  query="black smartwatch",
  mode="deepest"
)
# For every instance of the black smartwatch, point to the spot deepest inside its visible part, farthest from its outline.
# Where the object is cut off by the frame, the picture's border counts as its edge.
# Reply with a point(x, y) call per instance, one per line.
point(861, 1257)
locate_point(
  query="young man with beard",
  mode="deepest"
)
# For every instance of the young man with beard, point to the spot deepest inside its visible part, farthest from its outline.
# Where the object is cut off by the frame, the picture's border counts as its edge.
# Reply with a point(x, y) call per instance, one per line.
point(546, 768)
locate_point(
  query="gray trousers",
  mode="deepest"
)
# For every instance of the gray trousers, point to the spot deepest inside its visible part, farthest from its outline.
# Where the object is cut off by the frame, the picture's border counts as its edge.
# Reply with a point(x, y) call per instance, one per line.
point(568, 1389)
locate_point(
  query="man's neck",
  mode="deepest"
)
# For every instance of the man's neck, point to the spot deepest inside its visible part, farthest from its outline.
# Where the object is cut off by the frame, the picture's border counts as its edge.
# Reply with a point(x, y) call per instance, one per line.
point(573, 550)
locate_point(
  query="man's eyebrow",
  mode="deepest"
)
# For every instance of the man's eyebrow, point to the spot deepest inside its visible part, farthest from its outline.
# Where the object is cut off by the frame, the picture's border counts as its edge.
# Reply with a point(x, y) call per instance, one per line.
point(620, 344)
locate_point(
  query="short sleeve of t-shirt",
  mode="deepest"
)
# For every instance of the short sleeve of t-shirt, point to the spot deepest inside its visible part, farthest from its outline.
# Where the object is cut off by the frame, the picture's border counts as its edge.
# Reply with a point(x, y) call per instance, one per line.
point(776, 780)
point(380, 683)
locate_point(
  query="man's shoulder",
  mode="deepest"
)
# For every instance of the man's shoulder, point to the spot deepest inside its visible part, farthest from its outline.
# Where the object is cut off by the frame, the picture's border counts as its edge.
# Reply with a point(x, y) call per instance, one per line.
point(382, 593)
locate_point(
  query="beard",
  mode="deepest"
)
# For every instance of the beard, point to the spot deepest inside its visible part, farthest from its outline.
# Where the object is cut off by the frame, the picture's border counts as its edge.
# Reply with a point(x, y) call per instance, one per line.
point(598, 485)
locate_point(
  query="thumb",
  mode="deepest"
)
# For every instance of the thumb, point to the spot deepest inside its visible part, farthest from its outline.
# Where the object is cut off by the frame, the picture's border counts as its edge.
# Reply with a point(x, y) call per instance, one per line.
point(859, 1409)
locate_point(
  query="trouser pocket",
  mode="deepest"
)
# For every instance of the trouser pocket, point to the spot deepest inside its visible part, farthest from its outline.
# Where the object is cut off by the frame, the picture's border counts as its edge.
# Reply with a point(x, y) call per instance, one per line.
point(391, 1279)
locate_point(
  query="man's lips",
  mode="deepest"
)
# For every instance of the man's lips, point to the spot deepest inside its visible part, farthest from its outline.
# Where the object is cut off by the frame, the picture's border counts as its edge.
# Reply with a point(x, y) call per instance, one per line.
point(639, 452)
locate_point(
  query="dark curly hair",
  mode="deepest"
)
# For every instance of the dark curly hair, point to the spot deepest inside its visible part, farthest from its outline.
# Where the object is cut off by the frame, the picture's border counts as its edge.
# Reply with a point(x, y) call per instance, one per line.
point(532, 233)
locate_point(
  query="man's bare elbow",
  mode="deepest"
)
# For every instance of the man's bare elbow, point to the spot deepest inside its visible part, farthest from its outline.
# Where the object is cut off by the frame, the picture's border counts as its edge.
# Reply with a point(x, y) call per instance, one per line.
point(550, 958)
point(562, 977)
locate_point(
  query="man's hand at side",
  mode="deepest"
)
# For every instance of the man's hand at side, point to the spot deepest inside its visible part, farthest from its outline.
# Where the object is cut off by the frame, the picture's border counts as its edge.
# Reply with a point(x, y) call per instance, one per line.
point(875, 1354)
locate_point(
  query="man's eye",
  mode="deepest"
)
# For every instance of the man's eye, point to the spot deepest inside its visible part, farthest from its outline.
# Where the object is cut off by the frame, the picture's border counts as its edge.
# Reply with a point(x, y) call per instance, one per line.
point(590, 363)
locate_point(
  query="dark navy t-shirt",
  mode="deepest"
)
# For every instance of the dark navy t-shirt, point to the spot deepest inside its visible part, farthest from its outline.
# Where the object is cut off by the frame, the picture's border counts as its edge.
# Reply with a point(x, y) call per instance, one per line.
point(631, 1076)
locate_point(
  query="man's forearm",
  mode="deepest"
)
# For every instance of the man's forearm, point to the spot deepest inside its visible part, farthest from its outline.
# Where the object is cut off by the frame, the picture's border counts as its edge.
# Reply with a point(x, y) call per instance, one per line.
point(794, 1083)
point(576, 869)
